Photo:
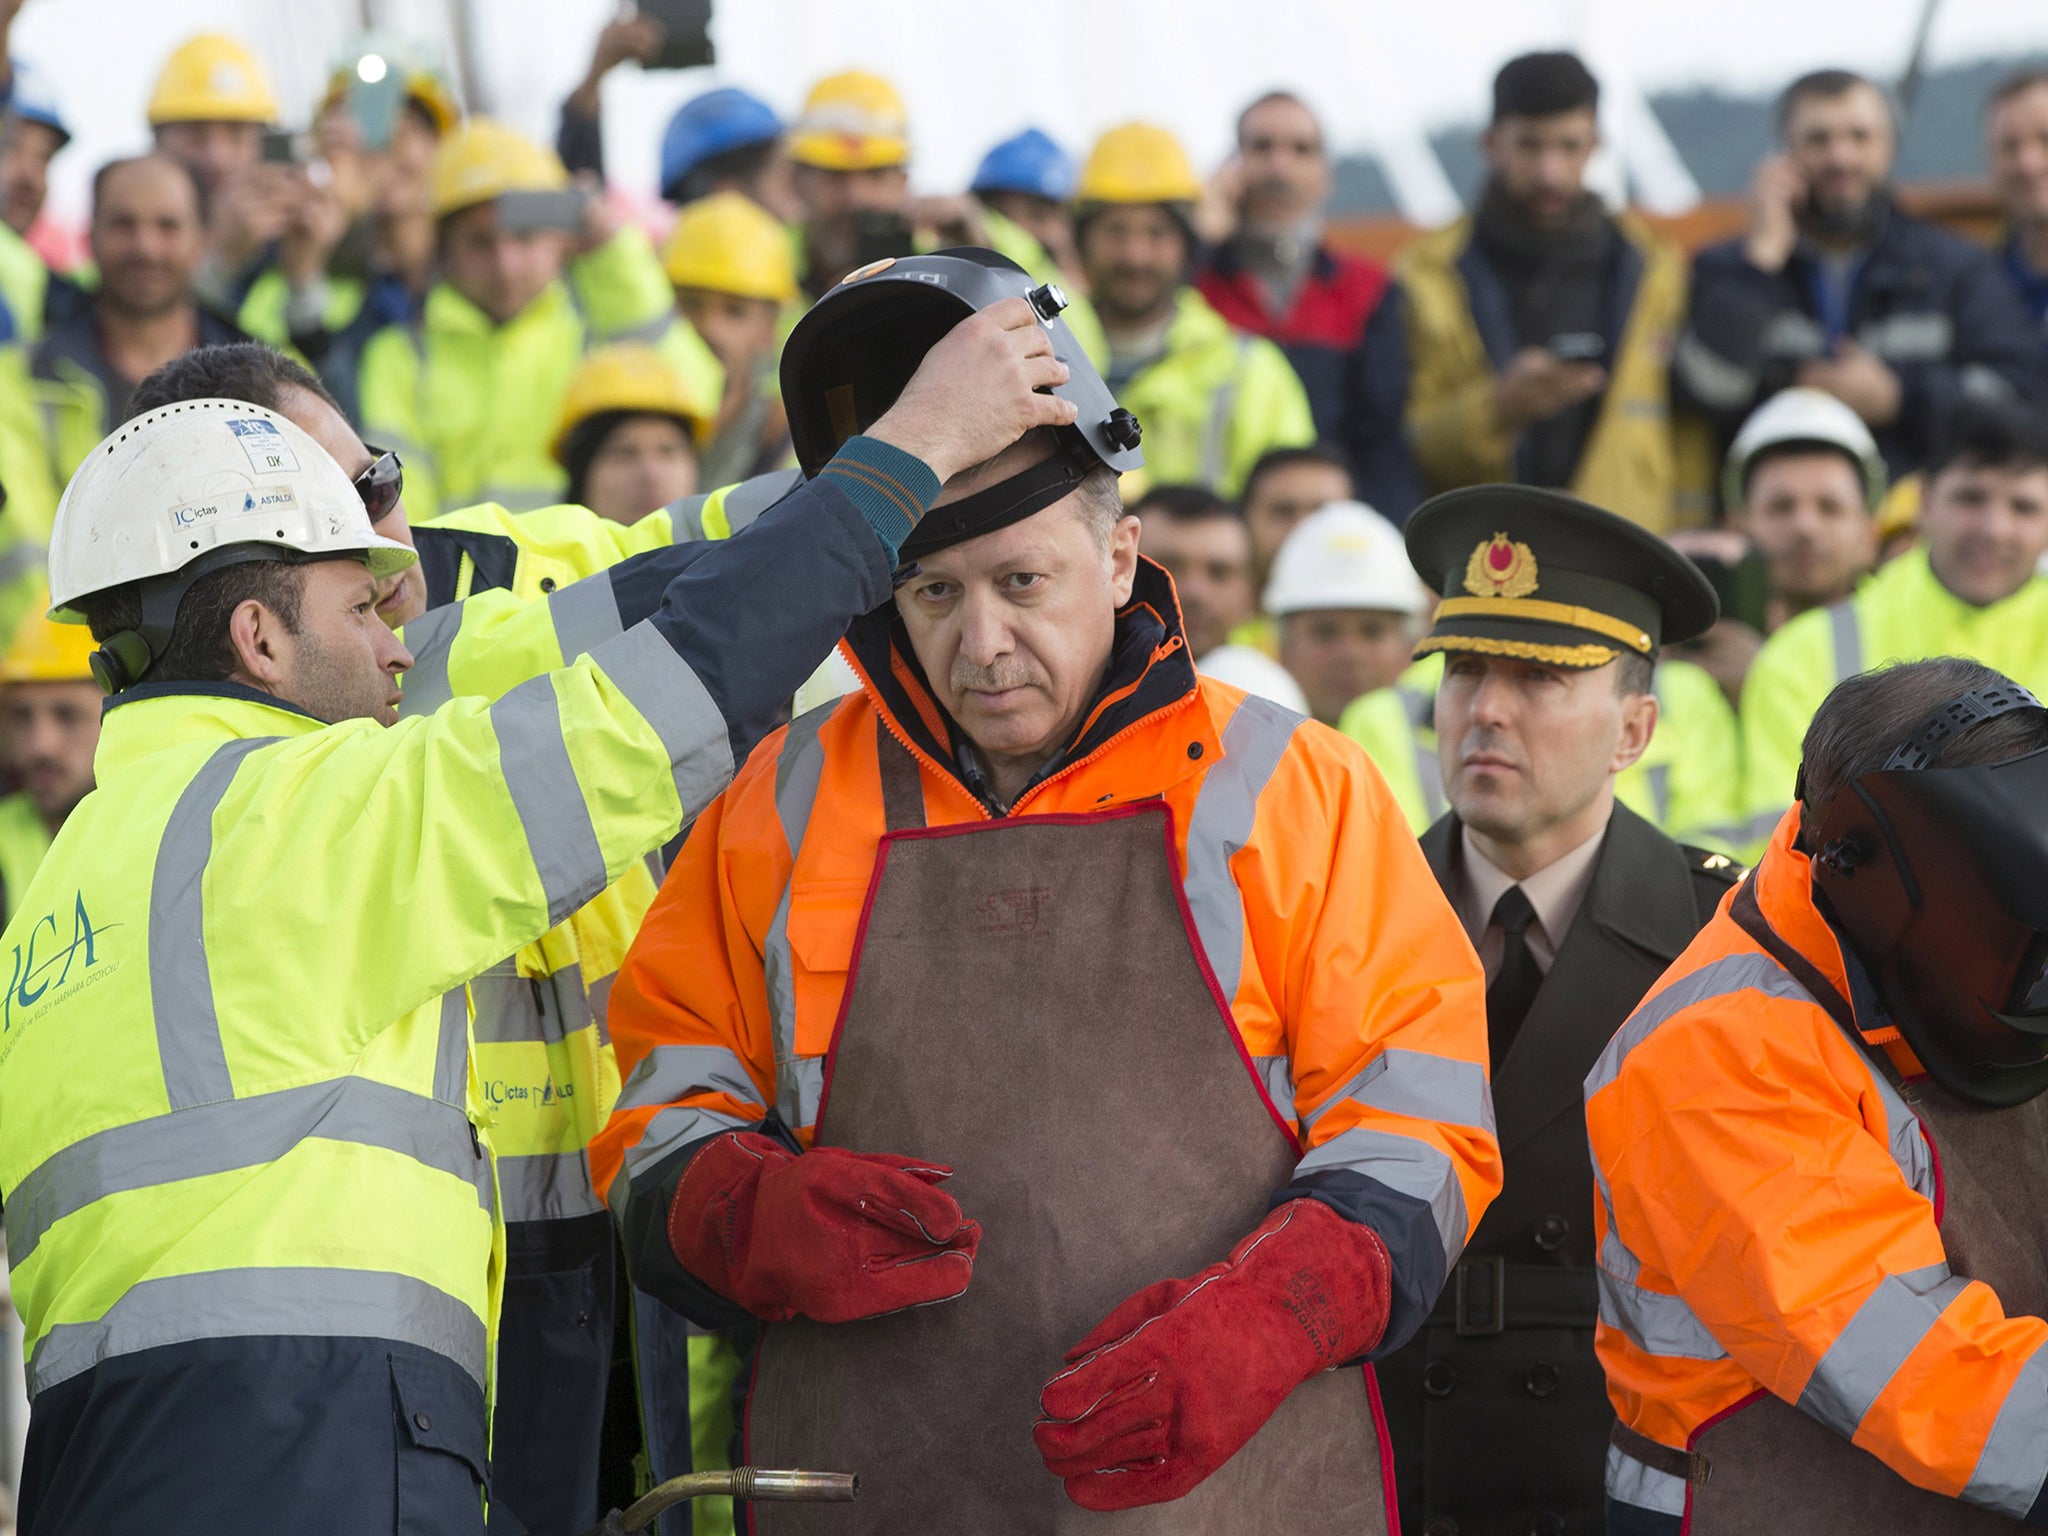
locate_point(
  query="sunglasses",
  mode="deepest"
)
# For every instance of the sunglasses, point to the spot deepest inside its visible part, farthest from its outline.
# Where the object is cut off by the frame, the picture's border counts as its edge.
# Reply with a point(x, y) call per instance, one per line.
point(381, 484)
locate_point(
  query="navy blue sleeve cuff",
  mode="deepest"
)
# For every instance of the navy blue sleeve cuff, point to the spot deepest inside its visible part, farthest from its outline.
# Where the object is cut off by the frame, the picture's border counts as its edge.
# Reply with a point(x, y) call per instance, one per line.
point(890, 488)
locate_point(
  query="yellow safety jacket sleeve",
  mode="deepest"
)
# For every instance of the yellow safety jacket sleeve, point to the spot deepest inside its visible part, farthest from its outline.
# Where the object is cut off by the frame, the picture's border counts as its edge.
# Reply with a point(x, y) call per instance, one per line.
point(624, 295)
point(1688, 780)
point(1272, 411)
point(388, 389)
point(24, 284)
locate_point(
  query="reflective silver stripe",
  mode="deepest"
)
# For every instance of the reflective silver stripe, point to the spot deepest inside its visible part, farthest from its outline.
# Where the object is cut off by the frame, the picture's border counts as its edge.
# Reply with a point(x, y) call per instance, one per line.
point(798, 767)
point(547, 1186)
point(599, 994)
point(1614, 1255)
point(1419, 1085)
point(512, 1009)
point(188, 1039)
point(1221, 408)
point(431, 639)
point(1733, 973)
point(256, 1303)
point(1406, 1166)
point(1789, 333)
point(686, 518)
point(799, 1085)
point(1926, 337)
point(745, 502)
point(1713, 380)
point(451, 1052)
point(1221, 823)
point(672, 699)
point(2009, 1473)
point(649, 331)
point(1630, 1482)
point(533, 757)
point(1277, 1073)
point(1762, 824)
point(1654, 1321)
point(1659, 776)
point(229, 1134)
point(1980, 382)
point(20, 560)
point(1847, 628)
point(668, 1074)
point(586, 614)
point(1867, 1353)
point(666, 1132)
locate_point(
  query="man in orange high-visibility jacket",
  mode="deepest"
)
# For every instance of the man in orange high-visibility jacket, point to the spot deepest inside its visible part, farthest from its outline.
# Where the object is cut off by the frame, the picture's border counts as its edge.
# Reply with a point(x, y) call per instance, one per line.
point(1820, 1144)
point(1147, 973)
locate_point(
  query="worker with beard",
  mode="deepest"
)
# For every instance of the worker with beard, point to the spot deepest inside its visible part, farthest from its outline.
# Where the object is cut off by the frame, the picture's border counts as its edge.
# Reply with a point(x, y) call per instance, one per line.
point(50, 708)
point(1213, 399)
point(1832, 286)
point(1539, 325)
point(148, 237)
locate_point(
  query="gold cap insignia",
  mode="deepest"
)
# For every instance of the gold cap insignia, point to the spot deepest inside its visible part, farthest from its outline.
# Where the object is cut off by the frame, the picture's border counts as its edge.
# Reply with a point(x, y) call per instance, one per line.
point(1500, 567)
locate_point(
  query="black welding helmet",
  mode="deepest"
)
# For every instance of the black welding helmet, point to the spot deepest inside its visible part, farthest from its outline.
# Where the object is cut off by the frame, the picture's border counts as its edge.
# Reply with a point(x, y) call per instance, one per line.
point(852, 353)
point(1939, 879)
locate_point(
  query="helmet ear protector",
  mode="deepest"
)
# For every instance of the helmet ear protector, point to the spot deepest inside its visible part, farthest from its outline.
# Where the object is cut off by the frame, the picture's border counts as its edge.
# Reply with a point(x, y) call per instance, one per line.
point(1938, 880)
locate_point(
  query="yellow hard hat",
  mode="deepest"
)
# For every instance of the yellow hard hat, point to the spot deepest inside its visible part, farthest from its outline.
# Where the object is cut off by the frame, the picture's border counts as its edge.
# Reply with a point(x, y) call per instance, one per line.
point(853, 121)
point(212, 79)
point(728, 243)
point(43, 652)
point(1138, 163)
point(629, 376)
point(483, 160)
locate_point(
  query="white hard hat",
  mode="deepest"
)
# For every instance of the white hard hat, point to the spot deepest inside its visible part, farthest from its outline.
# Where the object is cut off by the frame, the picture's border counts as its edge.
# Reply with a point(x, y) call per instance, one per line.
point(1344, 555)
point(177, 487)
point(1803, 416)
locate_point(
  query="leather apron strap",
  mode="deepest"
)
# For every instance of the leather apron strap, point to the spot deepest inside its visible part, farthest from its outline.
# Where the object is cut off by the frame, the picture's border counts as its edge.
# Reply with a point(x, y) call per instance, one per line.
point(1025, 1007)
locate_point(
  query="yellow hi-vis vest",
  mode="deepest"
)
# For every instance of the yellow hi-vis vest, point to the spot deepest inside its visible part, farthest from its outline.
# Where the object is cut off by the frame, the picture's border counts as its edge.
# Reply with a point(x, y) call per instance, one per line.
point(255, 934)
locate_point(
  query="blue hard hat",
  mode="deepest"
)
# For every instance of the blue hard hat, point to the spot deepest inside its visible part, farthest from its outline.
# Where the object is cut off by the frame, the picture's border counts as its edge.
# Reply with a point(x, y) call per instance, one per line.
point(31, 99)
point(1030, 162)
point(715, 123)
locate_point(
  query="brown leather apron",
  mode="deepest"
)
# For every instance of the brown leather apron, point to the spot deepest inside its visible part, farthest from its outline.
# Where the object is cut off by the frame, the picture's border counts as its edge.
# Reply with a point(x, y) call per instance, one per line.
point(1028, 1006)
point(1769, 1467)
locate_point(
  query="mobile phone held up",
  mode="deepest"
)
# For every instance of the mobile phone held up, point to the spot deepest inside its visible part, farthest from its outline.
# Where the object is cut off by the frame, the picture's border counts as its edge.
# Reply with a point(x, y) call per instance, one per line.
point(526, 213)
point(685, 32)
point(1578, 347)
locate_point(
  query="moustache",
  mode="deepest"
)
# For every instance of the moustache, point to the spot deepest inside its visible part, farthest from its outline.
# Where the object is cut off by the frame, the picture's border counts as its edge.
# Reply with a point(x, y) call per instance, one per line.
point(968, 678)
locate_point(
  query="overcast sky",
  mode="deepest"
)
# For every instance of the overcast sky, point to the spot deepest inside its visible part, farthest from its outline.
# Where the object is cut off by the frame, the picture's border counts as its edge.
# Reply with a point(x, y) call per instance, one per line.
point(1382, 72)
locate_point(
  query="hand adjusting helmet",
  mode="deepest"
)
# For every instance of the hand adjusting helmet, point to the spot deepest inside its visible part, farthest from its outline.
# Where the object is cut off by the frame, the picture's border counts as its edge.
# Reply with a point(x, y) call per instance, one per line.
point(186, 490)
point(850, 356)
point(1938, 877)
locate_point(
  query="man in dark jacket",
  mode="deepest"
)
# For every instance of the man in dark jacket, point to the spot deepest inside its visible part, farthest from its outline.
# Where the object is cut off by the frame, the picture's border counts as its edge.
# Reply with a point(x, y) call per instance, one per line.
point(1552, 616)
point(1336, 317)
point(1833, 287)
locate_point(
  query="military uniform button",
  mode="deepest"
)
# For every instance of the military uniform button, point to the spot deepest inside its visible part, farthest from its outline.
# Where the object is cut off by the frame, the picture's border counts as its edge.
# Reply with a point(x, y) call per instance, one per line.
point(1551, 1232)
point(1542, 1380)
point(1439, 1377)
point(1440, 1527)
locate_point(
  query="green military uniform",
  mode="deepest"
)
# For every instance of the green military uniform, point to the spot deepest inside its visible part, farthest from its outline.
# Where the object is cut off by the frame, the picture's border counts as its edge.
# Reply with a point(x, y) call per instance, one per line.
point(1214, 402)
point(471, 405)
point(1498, 1408)
point(1903, 613)
point(1685, 784)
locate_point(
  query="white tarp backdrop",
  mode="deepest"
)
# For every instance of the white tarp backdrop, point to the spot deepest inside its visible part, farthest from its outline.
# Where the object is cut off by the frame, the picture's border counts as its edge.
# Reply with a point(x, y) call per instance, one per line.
point(1382, 72)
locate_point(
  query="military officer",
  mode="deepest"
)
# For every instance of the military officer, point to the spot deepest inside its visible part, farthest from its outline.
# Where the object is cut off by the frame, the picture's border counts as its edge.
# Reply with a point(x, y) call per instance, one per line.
point(1553, 611)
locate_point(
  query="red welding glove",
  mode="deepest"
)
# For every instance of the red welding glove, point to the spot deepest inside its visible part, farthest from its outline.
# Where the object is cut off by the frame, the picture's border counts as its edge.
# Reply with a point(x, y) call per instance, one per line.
point(1173, 1382)
point(831, 1235)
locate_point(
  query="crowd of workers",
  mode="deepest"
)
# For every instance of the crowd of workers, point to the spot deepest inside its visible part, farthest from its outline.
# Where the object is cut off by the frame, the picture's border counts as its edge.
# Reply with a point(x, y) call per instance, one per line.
point(1605, 554)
